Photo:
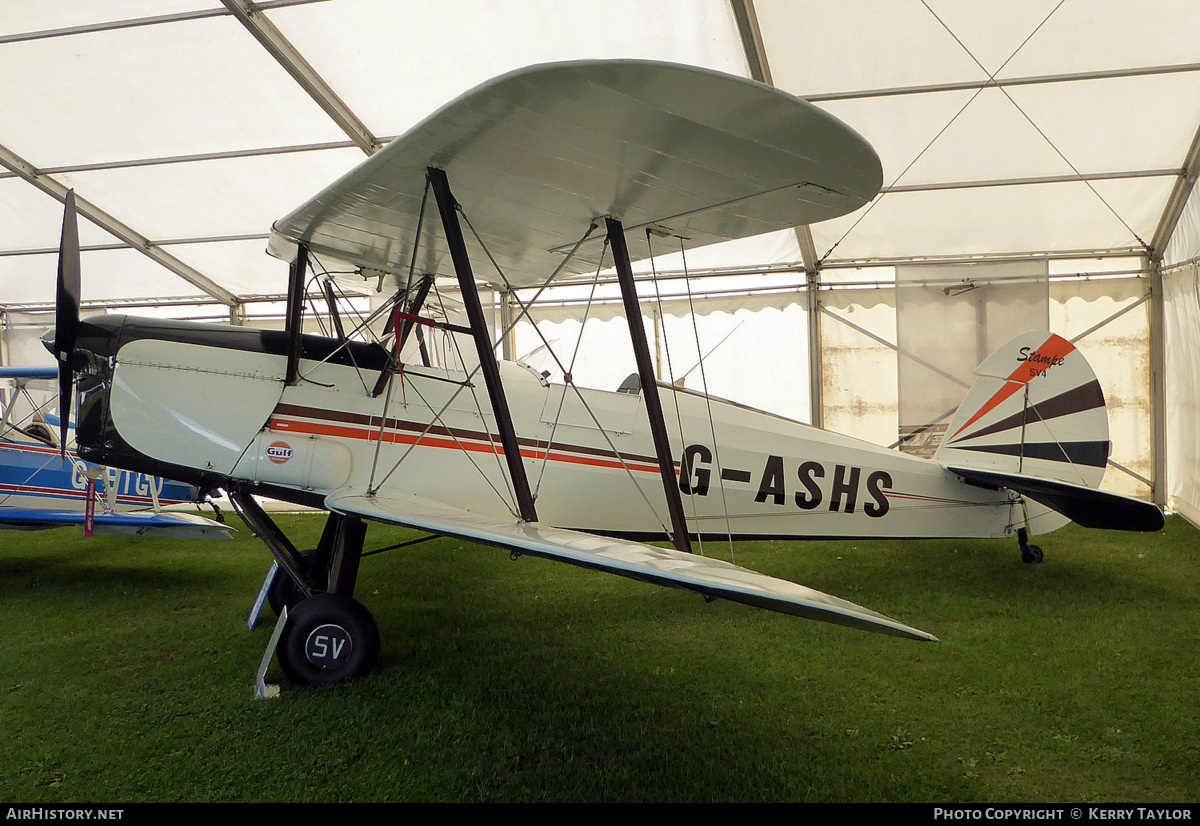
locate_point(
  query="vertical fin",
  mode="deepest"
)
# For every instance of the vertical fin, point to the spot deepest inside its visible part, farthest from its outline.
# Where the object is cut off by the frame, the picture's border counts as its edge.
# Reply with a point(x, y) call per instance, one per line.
point(1036, 408)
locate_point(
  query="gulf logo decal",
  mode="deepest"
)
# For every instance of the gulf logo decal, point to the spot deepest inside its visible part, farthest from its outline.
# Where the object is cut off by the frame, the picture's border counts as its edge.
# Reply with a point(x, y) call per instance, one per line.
point(279, 452)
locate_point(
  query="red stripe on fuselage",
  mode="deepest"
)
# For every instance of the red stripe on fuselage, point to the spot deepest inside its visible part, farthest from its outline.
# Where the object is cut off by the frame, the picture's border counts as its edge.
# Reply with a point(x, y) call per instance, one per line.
point(457, 441)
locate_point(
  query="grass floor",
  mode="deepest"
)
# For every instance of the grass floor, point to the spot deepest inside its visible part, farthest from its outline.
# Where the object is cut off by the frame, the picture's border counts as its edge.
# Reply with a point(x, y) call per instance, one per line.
point(126, 675)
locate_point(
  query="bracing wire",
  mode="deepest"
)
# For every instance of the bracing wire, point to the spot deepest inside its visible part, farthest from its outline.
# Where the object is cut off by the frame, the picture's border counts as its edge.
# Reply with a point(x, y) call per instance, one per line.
point(475, 399)
point(674, 396)
point(708, 404)
point(569, 375)
point(525, 314)
point(991, 82)
point(1024, 114)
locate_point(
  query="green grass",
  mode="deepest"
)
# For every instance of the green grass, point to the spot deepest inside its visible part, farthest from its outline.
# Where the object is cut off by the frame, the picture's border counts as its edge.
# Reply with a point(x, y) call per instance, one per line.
point(126, 675)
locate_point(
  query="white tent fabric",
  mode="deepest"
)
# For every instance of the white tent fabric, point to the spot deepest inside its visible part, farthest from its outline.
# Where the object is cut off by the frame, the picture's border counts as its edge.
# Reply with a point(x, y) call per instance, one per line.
point(1181, 296)
point(172, 118)
point(1055, 130)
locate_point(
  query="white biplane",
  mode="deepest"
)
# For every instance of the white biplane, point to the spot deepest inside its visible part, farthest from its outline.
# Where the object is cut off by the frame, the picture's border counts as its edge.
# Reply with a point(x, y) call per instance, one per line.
point(550, 168)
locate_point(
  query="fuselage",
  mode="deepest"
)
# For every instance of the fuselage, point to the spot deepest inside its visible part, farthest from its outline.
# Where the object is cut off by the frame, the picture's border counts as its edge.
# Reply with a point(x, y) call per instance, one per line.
point(209, 405)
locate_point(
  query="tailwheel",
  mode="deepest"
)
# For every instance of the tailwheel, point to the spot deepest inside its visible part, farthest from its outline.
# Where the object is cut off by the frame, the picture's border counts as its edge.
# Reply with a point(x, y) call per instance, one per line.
point(328, 638)
point(1030, 554)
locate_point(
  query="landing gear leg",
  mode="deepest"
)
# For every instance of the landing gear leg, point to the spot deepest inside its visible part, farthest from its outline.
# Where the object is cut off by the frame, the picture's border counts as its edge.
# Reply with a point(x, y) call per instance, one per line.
point(328, 636)
point(1030, 554)
point(331, 637)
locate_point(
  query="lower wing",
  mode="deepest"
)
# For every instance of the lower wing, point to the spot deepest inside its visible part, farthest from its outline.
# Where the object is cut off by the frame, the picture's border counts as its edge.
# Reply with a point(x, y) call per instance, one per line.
point(710, 577)
point(180, 525)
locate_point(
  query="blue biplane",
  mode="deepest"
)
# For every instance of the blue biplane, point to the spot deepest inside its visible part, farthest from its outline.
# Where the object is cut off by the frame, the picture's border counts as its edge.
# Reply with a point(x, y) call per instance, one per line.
point(43, 485)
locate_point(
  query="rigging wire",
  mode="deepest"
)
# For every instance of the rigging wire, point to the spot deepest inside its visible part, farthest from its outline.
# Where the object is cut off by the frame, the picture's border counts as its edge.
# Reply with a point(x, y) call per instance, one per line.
point(569, 375)
point(525, 314)
point(674, 396)
point(1024, 114)
point(475, 399)
point(991, 82)
point(437, 417)
point(387, 400)
point(708, 403)
point(447, 341)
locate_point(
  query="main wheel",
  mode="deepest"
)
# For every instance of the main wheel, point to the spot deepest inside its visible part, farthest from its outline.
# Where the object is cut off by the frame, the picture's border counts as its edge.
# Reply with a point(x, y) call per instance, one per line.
point(328, 638)
point(1031, 554)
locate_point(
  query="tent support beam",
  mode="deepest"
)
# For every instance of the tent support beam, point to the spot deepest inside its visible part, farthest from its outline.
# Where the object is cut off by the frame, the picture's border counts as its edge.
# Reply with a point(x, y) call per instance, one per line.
point(448, 209)
point(752, 44)
point(756, 58)
point(507, 343)
point(280, 48)
point(1005, 83)
point(1158, 351)
point(1158, 389)
point(812, 303)
point(645, 365)
point(57, 190)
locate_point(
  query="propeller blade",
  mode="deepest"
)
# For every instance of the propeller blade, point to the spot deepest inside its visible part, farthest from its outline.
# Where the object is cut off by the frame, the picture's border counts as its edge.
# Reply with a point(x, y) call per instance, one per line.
point(66, 315)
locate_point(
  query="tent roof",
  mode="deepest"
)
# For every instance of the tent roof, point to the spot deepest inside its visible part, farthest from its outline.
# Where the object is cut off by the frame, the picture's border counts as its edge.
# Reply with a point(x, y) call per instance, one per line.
point(187, 128)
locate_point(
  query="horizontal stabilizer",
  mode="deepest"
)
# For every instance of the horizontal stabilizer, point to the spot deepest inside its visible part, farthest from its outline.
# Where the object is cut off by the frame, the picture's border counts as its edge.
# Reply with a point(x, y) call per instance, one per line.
point(142, 523)
point(711, 577)
point(1085, 506)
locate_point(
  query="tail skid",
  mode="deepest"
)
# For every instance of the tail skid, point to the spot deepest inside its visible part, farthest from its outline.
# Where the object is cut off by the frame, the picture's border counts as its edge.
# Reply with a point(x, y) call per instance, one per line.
point(1035, 422)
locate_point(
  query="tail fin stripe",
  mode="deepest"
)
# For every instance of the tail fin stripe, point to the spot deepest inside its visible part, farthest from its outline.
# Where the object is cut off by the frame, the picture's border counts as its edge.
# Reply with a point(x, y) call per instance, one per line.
point(1039, 363)
point(1094, 454)
point(1085, 397)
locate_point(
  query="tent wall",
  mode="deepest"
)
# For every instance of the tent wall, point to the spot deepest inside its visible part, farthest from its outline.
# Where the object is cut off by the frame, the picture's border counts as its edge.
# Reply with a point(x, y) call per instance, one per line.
point(1181, 331)
point(944, 331)
point(756, 352)
point(751, 349)
point(1108, 317)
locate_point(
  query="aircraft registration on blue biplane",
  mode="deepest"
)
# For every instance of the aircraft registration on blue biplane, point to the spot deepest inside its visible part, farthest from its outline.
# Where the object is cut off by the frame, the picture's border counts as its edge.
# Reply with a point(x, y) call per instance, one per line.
point(42, 486)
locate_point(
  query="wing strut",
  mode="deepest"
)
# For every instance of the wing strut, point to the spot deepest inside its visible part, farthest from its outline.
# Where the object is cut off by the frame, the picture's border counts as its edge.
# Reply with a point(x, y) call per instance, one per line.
point(413, 308)
point(295, 311)
point(641, 350)
point(448, 209)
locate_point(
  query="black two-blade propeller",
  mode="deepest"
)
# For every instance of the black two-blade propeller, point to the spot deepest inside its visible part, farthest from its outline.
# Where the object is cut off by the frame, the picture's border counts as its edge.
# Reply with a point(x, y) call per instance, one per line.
point(66, 316)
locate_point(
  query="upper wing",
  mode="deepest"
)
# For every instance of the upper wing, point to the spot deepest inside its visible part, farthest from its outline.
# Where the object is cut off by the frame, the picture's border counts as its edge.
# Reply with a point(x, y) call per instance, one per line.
point(536, 155)
point(179, 525)
point(711, 577)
